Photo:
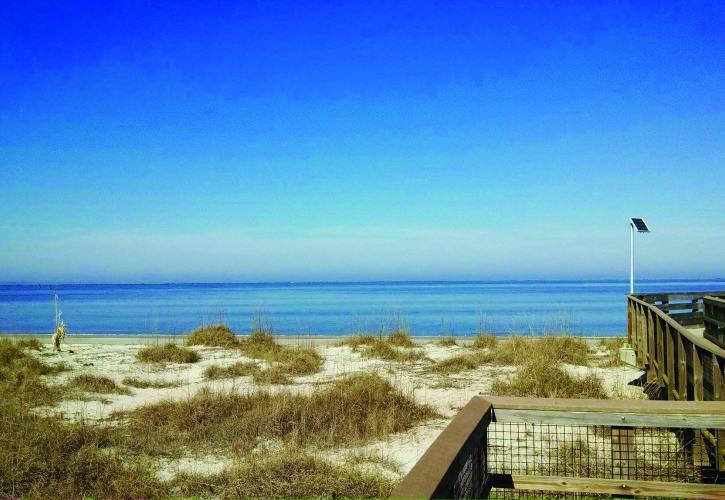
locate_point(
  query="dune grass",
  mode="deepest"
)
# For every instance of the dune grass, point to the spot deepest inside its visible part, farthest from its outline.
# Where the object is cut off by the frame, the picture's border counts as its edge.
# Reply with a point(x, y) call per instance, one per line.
point(241, 369)
point(398, 346)
point(516, 350)
point(166, 353)
point(276, 375)
point(354, 409)
point(447, 341)
point(383, 349)
point(150, 384)
point(458, 363)
point(401, 338)
point(31, 343)
point(213, 336)
point(20, 374)
point(484, 341)
point(541, 378)
point(290, 473)
point(97, 384)
point(297, 361)
point(46, 457)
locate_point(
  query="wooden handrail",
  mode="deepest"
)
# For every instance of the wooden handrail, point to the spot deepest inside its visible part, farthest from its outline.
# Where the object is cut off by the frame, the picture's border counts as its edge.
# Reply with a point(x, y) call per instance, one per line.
point(434, 475)
point(698, 341)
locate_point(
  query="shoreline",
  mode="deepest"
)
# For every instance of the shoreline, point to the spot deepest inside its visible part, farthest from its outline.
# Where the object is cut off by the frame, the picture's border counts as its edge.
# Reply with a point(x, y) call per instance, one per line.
point(153, 338)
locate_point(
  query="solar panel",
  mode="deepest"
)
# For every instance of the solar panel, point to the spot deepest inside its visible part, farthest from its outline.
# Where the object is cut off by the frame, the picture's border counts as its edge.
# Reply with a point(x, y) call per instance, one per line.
point(640, 225)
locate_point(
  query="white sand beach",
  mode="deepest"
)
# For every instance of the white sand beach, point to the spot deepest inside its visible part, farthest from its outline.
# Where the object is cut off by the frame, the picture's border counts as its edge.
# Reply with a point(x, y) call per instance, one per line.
point(115, 357)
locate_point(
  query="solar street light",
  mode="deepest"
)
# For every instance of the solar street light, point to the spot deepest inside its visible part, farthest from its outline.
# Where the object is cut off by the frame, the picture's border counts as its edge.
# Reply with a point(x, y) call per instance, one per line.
point(639, 225)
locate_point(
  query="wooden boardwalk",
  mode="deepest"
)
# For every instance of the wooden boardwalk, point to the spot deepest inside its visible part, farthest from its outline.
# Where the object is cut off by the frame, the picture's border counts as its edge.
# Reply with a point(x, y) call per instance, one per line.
point(676, 343)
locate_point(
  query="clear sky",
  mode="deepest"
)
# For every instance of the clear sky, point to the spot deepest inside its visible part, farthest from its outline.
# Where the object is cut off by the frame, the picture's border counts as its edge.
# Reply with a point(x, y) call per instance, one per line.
point(240, 141)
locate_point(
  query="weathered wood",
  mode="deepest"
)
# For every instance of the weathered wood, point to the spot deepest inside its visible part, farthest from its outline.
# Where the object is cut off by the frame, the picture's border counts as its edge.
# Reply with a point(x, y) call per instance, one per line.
point(669, 338)
point(715, 408)
point(697, 373)
point(696, 340)
point(610, 486)
point(697, 421)
point(682, 368)
point(433, 476)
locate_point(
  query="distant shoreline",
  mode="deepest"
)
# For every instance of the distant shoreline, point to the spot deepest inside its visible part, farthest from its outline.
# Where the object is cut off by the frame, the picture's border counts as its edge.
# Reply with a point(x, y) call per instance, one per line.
point(150, 338)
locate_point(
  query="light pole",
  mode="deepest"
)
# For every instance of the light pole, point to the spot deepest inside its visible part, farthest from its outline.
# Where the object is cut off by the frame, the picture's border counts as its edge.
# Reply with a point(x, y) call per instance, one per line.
point(635, 224)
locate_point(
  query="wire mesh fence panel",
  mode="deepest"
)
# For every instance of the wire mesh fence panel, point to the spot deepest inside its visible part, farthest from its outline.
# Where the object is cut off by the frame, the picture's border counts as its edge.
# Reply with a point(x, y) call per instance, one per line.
point(592, 451)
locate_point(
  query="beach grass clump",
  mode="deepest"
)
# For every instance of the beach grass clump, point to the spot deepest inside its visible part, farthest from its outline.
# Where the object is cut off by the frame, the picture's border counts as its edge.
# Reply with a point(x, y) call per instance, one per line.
point(382, 349)
point(401, 338)
point(31, 343)
point(241, 369)
point(356, 408)
point(150, 384)
point(166, 353)
point(97, 384)
point(515, 350)
point(298, 361)
point(459, 363)
point(358, 340)
point(288, 473)
point(275, 375)
point(484, 341)
point(213, 336)
point(20, 376)
point(447, 342)
point(46, 457)
point(540, 377)
point(518, 349)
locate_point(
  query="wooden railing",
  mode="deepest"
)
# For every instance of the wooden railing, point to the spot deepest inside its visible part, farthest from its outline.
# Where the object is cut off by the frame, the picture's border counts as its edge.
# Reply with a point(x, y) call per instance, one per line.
point(714, 317)
point(676, 355)
point(535, 448)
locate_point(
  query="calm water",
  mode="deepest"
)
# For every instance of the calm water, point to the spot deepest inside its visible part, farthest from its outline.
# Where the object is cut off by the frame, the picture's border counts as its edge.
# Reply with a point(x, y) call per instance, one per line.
point(582, 307)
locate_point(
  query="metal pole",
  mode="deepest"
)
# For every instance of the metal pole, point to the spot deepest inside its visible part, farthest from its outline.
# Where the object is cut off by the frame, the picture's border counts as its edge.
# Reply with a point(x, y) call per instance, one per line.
point(631, 258)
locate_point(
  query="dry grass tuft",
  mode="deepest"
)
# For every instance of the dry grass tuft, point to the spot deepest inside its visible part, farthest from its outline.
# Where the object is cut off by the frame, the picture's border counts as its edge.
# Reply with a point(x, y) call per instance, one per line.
point(215, 372)
point(20, 374)
point(31, 343)
point(401, 338)
point(97, 384)
point(166, 353)
point(459, 363)
point(45, 457)
point(354, 409)
point(516, 350)
point(276, 375)
point(382, 349)
point(150, 384)
point(542, 378)
point(212, 336)
point(484, 341)
point(447, 342)
point(289, 473)
point(297, 361)
point(355, 341)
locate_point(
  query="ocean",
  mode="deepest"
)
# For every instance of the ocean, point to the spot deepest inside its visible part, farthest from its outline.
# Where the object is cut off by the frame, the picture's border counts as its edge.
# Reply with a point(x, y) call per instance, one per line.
point(425, 308)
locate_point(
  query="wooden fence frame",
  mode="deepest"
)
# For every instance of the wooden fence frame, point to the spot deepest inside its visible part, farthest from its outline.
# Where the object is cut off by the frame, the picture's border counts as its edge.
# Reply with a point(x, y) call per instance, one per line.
point(436, 473)
point(686, 366)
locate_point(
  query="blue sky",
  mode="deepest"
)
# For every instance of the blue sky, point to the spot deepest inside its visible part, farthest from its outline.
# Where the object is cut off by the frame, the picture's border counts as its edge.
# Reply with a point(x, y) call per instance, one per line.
point(240, 141)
